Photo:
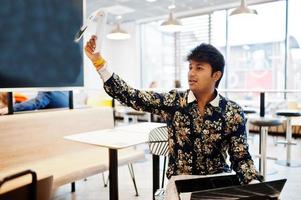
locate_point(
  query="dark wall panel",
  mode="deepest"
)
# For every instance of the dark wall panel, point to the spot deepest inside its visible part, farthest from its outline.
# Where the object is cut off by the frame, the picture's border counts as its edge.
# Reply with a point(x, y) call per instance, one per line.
point(36, 43)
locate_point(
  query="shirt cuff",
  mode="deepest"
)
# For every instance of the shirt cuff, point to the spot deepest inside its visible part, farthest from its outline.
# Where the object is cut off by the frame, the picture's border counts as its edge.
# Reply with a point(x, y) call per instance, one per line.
point(105, 73)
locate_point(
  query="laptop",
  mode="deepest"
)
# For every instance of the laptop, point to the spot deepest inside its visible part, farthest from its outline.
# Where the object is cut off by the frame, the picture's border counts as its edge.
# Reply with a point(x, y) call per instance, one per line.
point(228, 187)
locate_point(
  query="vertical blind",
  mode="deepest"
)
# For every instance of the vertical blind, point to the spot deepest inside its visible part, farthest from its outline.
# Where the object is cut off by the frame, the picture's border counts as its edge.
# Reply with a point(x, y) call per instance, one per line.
point(196, 30)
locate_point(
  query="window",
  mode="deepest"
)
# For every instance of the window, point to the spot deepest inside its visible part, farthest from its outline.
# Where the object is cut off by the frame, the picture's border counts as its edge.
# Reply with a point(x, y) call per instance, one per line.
point(158, 56)
point(294, 48)
point(256, 55)
point(164, 54)
point(196, 31)
point(254, 49)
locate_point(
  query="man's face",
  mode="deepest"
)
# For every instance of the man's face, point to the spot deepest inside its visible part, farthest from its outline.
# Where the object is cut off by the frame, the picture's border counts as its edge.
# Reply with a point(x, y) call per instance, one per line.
point(200, 77)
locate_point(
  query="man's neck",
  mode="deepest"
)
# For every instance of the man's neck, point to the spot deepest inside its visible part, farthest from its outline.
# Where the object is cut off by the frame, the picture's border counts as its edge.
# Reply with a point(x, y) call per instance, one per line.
point(204, 98)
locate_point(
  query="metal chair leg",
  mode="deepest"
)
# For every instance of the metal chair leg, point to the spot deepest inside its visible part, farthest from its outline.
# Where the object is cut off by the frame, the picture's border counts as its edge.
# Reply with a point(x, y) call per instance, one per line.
point(163, 174)
point(73, 187)
point(105, 182)
point(131, 170)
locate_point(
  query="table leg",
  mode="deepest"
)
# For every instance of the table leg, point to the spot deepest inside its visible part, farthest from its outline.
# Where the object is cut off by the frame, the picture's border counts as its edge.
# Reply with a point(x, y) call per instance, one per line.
point(289, 141)
point(260, 150)
point(156, 174)
point(263, 144)
point(113, 174)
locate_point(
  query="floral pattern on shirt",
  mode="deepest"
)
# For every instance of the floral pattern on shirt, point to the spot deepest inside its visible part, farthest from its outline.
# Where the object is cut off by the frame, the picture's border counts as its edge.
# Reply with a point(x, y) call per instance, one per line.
point(198, 144)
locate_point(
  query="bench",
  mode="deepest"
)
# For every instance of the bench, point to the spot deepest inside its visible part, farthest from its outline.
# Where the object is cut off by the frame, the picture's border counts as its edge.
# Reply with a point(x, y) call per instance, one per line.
point(35, 141)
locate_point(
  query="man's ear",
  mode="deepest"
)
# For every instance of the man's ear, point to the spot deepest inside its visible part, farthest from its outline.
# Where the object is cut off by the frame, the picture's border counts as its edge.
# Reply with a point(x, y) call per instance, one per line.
point(217, 75)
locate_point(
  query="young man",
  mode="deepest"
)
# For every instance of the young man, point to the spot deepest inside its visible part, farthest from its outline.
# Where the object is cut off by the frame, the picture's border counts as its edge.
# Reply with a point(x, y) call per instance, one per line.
point(202, 125)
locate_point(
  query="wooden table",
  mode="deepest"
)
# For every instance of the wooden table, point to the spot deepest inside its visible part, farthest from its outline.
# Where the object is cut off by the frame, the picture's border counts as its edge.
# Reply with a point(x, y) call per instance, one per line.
point(115, 139)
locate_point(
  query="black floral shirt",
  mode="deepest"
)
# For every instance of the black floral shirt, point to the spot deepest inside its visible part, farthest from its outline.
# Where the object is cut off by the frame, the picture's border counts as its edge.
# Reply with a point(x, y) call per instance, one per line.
point(198, 145)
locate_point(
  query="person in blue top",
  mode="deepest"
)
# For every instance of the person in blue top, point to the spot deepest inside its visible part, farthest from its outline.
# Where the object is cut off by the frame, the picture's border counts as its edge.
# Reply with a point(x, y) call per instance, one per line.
point(44, 100)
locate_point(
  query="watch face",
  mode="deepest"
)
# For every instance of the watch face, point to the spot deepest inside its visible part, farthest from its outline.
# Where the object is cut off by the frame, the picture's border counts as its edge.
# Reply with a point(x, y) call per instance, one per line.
point(80, 33)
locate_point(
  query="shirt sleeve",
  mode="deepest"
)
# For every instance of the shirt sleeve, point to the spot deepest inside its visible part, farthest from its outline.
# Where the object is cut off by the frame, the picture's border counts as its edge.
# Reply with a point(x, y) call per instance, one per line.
point(39, 102)
point(105, 73)
point(241, 161)
point(148, 101)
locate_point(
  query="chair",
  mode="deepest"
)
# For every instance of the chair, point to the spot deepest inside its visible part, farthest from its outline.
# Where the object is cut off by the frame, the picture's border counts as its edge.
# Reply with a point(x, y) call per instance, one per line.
point(289, 114)
point(134, 114)
point(158, 145)
point(264, 123)
point(36, 190)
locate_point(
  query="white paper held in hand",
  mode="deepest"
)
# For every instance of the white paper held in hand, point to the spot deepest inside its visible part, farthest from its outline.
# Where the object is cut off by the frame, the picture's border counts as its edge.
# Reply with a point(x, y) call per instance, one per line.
point(101, 20)
point(97, 19)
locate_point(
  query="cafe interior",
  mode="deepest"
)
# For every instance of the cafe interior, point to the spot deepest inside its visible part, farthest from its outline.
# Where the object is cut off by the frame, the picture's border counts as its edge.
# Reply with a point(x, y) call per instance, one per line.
point(65, 136)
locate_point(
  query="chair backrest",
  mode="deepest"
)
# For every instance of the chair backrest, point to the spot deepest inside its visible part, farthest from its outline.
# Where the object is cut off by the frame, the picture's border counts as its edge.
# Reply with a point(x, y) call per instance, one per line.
point(158, 141)
point(34, 190)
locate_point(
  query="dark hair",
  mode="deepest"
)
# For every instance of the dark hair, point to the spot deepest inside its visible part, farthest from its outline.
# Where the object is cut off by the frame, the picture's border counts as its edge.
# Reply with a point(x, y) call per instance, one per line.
point(209, 54)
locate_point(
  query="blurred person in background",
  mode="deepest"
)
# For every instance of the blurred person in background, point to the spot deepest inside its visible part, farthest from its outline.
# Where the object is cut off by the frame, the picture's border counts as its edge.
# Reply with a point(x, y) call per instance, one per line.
point(43, 100)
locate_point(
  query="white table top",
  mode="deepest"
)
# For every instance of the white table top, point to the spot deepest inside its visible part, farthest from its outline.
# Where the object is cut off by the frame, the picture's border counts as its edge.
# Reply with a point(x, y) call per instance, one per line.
point(117, 138)
point(144, 127)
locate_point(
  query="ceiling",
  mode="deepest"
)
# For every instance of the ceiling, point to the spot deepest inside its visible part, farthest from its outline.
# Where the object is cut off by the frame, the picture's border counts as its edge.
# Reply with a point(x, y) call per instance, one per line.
point(142, 10)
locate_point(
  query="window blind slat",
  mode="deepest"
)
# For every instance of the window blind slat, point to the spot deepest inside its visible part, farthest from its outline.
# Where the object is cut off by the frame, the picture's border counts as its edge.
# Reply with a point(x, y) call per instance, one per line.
point(195, 31)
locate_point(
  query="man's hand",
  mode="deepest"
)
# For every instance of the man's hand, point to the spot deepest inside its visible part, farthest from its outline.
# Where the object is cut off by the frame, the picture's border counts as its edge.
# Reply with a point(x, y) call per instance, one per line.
point(96, 58)
point(3, 111)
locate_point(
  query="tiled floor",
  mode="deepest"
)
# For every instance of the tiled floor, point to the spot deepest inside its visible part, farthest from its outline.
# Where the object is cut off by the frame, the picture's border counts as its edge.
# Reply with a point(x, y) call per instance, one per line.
point(93, 189)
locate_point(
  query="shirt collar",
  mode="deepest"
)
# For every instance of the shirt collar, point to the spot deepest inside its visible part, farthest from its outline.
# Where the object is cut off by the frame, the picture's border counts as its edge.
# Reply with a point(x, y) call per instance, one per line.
point(214, 102)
